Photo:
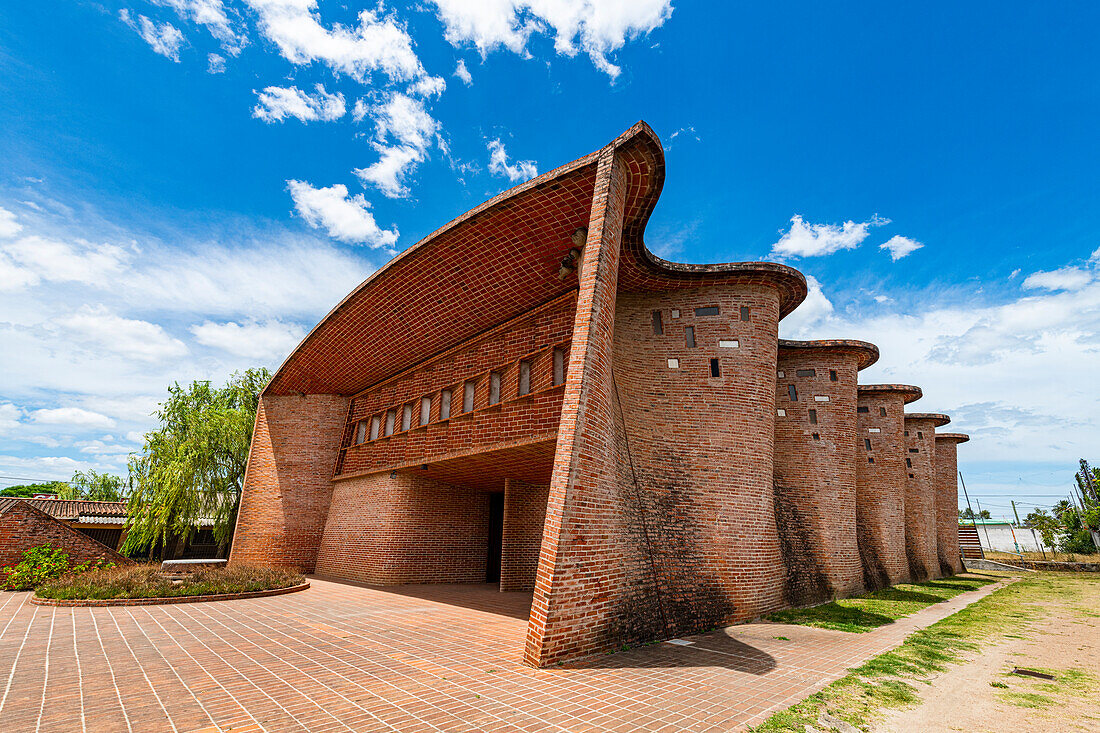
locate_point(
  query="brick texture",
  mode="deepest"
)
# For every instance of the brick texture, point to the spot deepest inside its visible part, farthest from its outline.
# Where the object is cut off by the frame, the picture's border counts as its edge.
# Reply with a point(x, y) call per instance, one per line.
point(524, 517)
point(881, 483)
point(815, 466)
point(22, 527)
point(947, 502)
point(288, 483)
point(920, 494)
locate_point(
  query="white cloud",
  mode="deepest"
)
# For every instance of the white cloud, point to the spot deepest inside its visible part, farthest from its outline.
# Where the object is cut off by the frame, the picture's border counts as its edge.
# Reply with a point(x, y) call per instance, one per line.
point(428, 86)
point(212, 14)
point(378, 43)
point(812, 311)
point(403, 133)
point(9, 417)
point(278, 103)
point(899, 247)
point(72, 417)
point(814, 240)
point(9, 227)
point(463, 73)
point(359, 110)
point(347, 218)
point(215, 63)
point(270, 341)
point(883, 299)
point(35, 258)
point(1064, 278)
point(521, 170)
point(165, 38)
point(1095, 256)
point(126, 337)
point(1014, 274)
point(596, 28)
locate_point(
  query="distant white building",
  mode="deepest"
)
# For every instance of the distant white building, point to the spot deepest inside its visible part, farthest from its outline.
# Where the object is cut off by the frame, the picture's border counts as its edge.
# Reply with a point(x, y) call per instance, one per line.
point(1007, 537)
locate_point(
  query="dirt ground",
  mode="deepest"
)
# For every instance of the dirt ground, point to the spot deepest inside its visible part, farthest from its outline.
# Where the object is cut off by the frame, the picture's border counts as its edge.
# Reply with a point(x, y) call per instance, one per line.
point(983, 694)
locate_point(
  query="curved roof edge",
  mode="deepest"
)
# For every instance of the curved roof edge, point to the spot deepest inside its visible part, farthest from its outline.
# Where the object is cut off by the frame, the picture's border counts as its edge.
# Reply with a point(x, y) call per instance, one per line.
point(953, 437)
point(938, 418)
point(865, 351)
point(639, 139)
point(910, 392)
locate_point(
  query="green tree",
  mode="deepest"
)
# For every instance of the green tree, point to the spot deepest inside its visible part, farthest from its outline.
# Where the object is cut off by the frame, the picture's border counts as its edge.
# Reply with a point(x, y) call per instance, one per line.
point(1047, 526)
point(192, 467)
point(26, 491)
point(968, 513)
point(97, 486)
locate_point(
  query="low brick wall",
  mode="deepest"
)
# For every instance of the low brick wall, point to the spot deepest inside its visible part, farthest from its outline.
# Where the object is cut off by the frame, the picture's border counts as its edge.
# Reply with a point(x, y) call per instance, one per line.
point(163, 601)
point(1071, 567)
point(23, 527)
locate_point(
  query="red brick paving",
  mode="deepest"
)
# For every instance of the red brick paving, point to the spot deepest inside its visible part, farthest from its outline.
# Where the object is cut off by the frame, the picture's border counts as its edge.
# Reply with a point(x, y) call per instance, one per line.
point(413, 658)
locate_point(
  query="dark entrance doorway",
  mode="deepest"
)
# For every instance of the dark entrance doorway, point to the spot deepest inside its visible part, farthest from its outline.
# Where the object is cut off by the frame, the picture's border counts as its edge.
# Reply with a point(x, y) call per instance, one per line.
point(496, 537)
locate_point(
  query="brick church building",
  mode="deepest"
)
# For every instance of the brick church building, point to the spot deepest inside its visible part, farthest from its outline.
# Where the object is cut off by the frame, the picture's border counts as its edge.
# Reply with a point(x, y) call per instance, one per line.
point(530, 397)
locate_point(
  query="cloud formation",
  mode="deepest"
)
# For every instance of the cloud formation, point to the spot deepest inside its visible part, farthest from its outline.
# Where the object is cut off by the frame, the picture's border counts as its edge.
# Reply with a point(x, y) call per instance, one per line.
point(815, 240)
point(404, 131)
point(900, 246)
point(278, 103)
point(270, 341)
point(164, 38)
point(521, 170)
point(344, 217)
point(1065, 278)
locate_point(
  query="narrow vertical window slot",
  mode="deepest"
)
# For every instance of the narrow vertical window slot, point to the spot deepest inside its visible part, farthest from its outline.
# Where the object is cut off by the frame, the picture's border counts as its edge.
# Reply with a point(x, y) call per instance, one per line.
point(361, 432)
point(445, 404)
point(867, 442)
point(375, 426)
point(425, 410)
point(792, 392)
point(689, 336)
point(391, 417)
point(813, 417)
point(525, 377)
point(746, 313)
point(882, 411)
point(715, 370)
point(407, 417)
point(832, 375)
point(559, 367)
point(468, 395)
point(494, 388)
point(658, 325)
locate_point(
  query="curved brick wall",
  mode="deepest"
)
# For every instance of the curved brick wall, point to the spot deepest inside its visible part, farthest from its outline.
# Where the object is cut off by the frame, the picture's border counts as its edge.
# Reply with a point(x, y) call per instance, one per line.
point(815, 467)
point(920, 494)
point(881, 482)
point(947, 502)
point(288, 483)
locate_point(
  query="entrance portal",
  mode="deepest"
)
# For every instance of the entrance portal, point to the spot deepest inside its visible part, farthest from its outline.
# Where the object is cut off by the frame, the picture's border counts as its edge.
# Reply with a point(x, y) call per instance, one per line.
point(496, 538)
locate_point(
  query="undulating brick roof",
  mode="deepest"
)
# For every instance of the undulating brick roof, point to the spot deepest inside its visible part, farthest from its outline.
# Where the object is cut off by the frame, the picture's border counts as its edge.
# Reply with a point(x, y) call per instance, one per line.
point(953, 437)
point(867, 352)
point(910, 392)
point(938, 418)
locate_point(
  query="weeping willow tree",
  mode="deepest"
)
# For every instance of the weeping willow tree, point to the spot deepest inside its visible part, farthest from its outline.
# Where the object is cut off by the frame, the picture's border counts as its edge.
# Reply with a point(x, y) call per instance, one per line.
point(191, 469)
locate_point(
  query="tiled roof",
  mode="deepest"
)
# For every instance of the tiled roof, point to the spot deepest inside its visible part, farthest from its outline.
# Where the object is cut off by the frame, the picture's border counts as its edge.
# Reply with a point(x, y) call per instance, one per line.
point(70, 509)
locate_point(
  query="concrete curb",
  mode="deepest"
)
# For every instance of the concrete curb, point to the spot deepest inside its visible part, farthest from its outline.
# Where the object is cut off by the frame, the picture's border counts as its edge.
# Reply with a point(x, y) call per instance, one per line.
point(97, 602)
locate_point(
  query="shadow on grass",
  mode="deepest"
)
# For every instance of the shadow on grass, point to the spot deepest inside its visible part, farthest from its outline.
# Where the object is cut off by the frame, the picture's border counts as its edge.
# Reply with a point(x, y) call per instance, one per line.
point(833, 616)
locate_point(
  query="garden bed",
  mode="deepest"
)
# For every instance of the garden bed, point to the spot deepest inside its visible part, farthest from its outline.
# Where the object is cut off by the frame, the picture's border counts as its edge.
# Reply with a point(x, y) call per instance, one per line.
point(144, 585)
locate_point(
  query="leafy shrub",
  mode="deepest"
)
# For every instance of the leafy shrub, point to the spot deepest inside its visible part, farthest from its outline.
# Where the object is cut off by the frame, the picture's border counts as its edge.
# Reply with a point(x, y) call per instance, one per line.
point(145, 581)
point(45, 563)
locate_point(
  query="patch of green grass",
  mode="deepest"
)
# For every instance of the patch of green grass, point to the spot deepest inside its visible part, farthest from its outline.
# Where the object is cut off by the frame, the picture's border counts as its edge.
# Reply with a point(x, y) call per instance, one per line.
point(1026, 699)
point(781, 638)
point(880, 607)
point(1001, 685)
point(884, 682)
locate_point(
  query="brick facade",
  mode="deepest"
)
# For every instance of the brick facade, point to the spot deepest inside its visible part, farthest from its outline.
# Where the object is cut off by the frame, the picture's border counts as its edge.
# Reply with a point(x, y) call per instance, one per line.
point(815, 466)
point(920, 494)
point(23, 527)
point(530, 374)
point(881, 482)
point(947, 502)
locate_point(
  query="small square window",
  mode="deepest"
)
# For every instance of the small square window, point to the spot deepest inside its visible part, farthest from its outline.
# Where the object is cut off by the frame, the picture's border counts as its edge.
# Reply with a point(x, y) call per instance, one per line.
point(468, 395)
point(870, 460)
point(658, 325)
point(805, 373)
point(906, 433)
point(780, 374)
point(675, 312)
point(375, 426)
point(673, 363)
point(914, 450)
point(494, 388)
point(781, 412)
point(813, 417)
point(911, 476)
point(559, 367)
point(746, 313)
point(715, 371)
point(792, 393)
point(710, 310)
point(425, 410)
point(689, 336)
point(882, 411)
point(445, 404)
point(729, 343)
point(817, 436)
point(873, 430)
point(920, 434)
point(391, 417)
point(361, 432)
point(407, 417)
point(832, 375)
point(525, 376)
point(863, 409)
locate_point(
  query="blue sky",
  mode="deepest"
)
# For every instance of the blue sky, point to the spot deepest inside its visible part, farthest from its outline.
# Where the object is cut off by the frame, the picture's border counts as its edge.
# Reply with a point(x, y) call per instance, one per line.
point(186, 186)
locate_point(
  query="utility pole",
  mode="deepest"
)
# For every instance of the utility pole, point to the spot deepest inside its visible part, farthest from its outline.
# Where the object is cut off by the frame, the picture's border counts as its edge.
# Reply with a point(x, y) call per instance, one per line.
point(972, 517)
point(983, 524)
point(1016, 513)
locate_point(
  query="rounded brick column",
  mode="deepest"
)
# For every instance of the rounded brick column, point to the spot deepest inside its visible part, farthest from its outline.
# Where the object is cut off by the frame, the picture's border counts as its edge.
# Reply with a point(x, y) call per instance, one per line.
point(947, 502)
point(815, 466)
point(920, 494)
point(880, 482)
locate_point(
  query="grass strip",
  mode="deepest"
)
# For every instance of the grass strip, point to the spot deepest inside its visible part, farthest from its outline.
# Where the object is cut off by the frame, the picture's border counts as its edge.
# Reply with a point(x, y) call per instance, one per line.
point(145, 581)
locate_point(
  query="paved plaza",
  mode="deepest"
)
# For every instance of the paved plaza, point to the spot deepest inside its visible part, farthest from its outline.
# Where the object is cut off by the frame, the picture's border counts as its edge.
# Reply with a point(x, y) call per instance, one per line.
point(340, 657)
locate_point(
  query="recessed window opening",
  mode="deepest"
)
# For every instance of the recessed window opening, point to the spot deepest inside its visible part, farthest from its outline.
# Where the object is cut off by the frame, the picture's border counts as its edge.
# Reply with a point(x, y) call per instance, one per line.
point(714, 369)
point(729, 343)
point(658, 325)
point(494, 388)
point(710, 310)
point(914, 450)
point(391, 416)
point(559, 367)
point(780, 374)
point(673, 363)
point(468, 395)
point(817, 436)
point(746, 313)
point(425, 410)
point(821, 398)
point(805, 373)
point(882, 411)
point(792, 392)
point(781, 412)
point(870, 460)
point(873, 430)
point(911, 476)
point(813, 417)
point(909, 462)
point(361, 432)
point(675, 312)
point(867, 442)
point(906, 433)
point(832, 375)
point(689, 336)
point(920, 434)
point(375, 426)
point(525, 376)
point(407, 417)
point(863, 409)
point(445, 404)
